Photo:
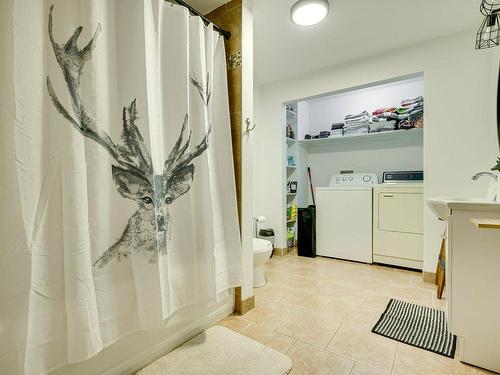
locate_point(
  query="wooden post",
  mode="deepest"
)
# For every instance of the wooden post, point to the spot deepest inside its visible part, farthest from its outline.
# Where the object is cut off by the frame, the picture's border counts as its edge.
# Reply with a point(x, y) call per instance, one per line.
point(441, 270)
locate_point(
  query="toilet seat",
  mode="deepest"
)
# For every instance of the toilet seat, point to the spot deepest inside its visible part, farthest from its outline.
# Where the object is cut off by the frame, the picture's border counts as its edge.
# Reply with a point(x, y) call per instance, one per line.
point(261, 246)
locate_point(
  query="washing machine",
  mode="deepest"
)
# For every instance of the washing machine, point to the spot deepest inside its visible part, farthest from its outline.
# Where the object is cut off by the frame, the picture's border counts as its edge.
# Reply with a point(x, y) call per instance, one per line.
point(344, 217)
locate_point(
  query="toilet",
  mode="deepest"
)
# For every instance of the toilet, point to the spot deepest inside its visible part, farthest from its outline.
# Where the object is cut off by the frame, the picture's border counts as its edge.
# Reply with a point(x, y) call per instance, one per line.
point(262, 250)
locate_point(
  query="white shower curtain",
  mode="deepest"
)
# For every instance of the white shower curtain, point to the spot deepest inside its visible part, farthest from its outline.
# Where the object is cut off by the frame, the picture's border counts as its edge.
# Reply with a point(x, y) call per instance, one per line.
point(118, 196)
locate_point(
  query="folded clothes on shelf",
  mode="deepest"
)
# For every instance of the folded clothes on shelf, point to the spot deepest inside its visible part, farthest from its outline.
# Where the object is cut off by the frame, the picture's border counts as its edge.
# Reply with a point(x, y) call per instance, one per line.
point(336, 133)
point(383, 110)
point(357, 129)
point(350, 123)
point(403, 110)
point(357, 116)
point(405, 124)
point(363, 130)
point(411, 102)
point(324, 134)
point(357, 126)
point(414, 109)
point(408, 115)
point(337, 125)
point(392, 116)
point(357, 123)
point(337, 129)
point(382, 125)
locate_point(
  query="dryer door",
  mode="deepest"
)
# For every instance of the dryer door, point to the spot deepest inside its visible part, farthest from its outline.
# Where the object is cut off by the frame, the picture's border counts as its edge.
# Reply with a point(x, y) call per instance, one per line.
point(400, 212)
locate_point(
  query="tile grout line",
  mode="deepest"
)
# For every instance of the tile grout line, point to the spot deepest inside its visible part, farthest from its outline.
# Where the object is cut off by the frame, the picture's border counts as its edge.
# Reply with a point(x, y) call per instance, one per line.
point(394, 357)
point(334, 334)
point(409, 290)
point(352, 366)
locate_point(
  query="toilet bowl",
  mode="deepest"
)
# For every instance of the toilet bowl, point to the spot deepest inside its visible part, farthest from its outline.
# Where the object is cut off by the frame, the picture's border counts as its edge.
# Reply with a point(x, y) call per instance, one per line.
point(262, 250)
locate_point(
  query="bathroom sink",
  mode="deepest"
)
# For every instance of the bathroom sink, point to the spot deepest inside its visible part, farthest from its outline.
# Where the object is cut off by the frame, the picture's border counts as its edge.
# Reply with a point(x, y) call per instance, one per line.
point(442, 206)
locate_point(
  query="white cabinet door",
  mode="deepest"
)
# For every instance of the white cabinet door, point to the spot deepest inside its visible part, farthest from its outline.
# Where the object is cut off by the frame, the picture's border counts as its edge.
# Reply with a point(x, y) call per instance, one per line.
point(472, 269)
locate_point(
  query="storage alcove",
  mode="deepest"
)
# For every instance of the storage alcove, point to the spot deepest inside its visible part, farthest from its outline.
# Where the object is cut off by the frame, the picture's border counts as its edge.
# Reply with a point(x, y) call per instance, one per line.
point(374, 152)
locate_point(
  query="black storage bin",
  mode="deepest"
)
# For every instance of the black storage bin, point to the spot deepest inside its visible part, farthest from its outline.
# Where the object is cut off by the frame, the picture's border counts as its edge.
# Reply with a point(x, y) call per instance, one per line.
point(267, 234)
point(307, 231)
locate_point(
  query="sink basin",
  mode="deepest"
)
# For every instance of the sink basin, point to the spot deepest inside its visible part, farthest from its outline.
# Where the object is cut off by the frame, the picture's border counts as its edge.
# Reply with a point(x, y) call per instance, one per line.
point(442, 206)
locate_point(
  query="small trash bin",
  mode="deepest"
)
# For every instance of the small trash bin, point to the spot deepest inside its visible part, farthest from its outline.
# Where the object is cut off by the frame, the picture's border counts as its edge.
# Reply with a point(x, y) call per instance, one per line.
point(307, 232)
point(267, 234)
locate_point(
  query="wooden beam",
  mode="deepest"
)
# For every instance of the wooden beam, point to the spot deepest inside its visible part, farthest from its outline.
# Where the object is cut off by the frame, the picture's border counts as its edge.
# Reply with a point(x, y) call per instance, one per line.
point(486, 223)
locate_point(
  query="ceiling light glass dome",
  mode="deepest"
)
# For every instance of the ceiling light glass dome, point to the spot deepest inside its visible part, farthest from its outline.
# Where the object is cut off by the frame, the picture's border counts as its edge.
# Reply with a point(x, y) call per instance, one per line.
point(309, 12)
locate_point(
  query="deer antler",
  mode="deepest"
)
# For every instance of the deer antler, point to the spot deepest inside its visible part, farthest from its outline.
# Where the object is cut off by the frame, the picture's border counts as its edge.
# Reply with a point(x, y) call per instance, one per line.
point(178, 157)
point(205, 93)
point(72, 60)
point(134, 142)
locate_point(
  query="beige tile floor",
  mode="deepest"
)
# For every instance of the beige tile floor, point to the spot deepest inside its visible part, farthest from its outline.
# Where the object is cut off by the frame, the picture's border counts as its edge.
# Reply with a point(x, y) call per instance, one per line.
point(320, 313)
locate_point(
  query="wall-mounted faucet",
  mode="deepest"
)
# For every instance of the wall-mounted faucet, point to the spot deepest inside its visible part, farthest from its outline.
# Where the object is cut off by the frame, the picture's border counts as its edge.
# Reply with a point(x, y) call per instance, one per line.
point(493, 191)
point(489, 174)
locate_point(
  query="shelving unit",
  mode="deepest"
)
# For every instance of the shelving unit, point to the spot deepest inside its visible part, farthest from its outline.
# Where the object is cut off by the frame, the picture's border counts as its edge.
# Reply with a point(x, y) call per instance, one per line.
point(291, 119)
point(329, 143)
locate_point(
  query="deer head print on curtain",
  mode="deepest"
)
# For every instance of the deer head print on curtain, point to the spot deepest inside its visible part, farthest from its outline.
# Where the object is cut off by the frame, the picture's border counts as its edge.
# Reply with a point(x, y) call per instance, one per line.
point(132, 169)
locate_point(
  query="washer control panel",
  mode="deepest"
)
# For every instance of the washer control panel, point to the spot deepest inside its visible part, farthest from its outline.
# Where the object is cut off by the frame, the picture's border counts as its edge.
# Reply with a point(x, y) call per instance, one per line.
point(354, 179)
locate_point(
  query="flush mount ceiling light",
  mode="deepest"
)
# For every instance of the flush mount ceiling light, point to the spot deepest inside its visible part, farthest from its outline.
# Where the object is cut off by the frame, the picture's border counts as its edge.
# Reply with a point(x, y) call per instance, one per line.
point(488, 34)
point(309, 12)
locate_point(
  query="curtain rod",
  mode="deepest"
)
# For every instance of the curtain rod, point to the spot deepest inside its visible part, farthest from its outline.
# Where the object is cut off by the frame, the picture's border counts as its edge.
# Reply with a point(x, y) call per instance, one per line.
point(225, 33)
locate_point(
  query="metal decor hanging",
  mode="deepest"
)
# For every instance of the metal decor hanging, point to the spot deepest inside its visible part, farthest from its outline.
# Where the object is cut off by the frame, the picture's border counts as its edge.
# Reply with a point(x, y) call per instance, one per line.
point(488, 34)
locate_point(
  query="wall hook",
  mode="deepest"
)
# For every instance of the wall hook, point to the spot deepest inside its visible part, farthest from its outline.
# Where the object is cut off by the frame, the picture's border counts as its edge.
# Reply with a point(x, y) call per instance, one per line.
point(248, 123)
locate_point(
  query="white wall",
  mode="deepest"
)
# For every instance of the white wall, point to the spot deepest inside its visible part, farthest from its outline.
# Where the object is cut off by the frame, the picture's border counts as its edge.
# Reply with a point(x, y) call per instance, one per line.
point(400, 153)
point(247, 149)
point(268, 173)
point(460, 128)
point(324, 111)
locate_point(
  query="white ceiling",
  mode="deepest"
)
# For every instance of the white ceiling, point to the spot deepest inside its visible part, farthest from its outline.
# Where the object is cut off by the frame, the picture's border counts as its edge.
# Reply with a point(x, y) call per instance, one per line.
point(205, 6)
point(354, 29)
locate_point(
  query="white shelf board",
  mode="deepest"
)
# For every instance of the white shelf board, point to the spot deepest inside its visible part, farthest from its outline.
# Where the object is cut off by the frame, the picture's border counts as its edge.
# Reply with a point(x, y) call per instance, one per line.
point(326, 143)
point(291, 167)
point(290, 141)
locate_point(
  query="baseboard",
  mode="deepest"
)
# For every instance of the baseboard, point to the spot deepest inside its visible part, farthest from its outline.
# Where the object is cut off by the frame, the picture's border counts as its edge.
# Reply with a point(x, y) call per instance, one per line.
point(280, 252)
point(429, 277)
point(242, 306)
point(400, 262)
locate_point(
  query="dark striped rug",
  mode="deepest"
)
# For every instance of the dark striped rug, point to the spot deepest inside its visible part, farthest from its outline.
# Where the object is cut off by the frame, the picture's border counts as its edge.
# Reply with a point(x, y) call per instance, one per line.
point(420, 326)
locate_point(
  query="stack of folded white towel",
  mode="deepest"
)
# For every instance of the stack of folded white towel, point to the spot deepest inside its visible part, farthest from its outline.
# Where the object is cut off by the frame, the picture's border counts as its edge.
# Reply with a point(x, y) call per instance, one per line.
point(337, 129)
point(357, 124)
point(382, 125)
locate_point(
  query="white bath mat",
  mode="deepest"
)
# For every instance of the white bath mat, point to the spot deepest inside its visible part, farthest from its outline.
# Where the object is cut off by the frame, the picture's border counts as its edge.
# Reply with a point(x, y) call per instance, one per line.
point(220, 351)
